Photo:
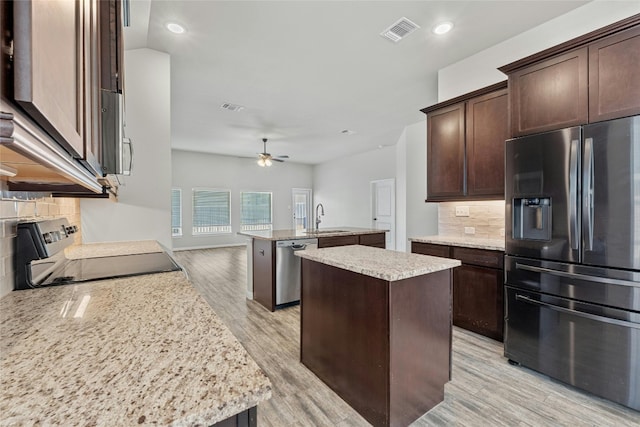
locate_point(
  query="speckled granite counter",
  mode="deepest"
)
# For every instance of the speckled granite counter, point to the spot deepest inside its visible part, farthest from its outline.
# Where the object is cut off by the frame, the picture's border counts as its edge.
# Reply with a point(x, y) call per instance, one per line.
point(296, 234)
point(98, 250)
point(146, 350)
point(467, 242)
point(379, 263)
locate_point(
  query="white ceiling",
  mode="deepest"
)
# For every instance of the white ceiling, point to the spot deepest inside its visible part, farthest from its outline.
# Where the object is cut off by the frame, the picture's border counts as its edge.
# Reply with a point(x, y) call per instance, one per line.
point(306, 70)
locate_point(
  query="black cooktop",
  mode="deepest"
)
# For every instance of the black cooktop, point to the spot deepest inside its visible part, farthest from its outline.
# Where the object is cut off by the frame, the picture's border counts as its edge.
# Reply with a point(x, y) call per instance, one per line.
point(86, 269)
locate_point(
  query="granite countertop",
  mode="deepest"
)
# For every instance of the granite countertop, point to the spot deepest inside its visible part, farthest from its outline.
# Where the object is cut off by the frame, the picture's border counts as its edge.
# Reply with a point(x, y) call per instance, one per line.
point(297, 234)
point(467, 242)
point(99, 250)
point(144, 350)
point(379, 263)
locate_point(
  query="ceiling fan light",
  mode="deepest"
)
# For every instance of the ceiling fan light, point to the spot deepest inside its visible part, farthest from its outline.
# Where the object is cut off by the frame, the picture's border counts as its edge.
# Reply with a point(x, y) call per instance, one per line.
point(268, 162)
point(261, 162)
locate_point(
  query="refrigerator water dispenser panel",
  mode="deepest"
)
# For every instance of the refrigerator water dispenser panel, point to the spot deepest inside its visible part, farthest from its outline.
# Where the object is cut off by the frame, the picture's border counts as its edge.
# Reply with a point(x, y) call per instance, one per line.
point(532, 218)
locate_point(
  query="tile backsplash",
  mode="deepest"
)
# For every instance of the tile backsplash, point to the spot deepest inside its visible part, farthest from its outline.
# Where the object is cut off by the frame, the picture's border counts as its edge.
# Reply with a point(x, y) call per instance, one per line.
point(29, 207)
point(485, 218)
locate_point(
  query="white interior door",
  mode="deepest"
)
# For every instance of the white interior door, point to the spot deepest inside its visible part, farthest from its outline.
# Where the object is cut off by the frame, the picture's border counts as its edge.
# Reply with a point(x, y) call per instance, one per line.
point(383, 208)
point(301, 208)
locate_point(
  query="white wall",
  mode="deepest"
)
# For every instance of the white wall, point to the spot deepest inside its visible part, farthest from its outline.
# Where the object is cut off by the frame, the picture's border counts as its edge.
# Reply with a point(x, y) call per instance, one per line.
point(422, 218)
point(480, 70)
point(143, 209)
point(343, 186)
point(236, 174)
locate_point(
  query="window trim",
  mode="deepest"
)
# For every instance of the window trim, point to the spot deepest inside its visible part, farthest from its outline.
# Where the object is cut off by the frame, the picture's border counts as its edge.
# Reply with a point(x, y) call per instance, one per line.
point(227, 229)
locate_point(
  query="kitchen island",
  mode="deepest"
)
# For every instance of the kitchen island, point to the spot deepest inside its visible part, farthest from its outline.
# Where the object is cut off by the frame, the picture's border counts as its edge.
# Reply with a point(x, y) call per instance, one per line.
point(262, 262)
point(376, 328)
point(143, 350)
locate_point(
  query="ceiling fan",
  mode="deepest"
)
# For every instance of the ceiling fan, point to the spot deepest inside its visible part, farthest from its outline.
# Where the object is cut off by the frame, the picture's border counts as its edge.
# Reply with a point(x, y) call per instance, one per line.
point(266, 159)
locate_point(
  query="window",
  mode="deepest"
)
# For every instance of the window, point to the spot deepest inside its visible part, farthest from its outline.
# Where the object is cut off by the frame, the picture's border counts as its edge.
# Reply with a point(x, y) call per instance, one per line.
point(211, 211)
point(176, 212)
point(255, 211)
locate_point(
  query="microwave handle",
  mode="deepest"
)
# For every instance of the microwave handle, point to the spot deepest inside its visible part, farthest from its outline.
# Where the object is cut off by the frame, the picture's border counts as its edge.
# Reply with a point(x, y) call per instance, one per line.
point(127, 171)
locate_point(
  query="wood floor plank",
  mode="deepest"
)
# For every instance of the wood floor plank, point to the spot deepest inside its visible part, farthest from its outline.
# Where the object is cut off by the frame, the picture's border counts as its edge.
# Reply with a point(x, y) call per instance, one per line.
point(485, 390)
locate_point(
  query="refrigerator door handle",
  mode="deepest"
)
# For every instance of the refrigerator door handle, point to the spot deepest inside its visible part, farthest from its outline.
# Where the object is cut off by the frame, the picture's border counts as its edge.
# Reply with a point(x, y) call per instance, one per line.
point(597, 279)
point(573, 194)
point(587, 195)
point(578, 313)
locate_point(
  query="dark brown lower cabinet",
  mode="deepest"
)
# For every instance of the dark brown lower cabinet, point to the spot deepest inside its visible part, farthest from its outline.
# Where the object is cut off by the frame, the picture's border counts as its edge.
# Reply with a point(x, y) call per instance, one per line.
point(478, 289)
point(248, 418)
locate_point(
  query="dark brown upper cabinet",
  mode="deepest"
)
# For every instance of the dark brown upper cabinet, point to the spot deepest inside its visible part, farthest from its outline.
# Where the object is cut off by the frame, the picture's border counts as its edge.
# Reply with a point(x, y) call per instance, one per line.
point(591, 78)
point(465, 146)
point(445, 153)
point(551, 94)
point(614, 76)
point(487, 130)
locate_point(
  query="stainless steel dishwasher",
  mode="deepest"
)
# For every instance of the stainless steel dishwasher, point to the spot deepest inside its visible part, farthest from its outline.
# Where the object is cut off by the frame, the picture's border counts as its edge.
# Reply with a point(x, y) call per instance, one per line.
point(288, 269)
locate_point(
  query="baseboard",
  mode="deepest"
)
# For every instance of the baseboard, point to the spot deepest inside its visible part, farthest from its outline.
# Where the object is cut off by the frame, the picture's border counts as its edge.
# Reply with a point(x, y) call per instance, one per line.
point(191, 248)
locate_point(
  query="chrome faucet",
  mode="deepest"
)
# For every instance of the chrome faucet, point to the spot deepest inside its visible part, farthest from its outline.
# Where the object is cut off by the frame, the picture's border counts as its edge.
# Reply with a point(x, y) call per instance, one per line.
point(318, 220)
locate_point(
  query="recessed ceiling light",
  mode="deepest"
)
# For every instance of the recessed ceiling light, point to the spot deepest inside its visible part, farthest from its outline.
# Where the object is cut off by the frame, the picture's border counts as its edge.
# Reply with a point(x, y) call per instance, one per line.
point(175, 28)
point(347, 132)
point(442, 28)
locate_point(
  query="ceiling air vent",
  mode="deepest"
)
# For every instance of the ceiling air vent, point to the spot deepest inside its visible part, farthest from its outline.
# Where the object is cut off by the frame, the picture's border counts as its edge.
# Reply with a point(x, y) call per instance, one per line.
point(231, 107)
point(399, 29)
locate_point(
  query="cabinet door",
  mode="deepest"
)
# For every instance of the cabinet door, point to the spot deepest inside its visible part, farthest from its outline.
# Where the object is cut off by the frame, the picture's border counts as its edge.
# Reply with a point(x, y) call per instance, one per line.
point(614, 76)
point(48, 77)
point(445, 153)
point(478, 300)
point(551, 94)
point(487, 130)
point(430, 249)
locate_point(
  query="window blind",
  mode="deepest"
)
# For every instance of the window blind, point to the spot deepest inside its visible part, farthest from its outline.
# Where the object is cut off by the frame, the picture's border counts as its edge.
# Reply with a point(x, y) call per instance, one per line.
point(211, 211)
point(255, 211)
point(176, 212)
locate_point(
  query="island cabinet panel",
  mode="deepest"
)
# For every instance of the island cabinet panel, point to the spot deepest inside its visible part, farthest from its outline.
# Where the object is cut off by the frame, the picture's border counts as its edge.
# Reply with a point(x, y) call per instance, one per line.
point(377, 240)
point(264, 269)
point(614, 76)
point(551, 94)
point(327, 242)
point(446, 153)
point(248, 418)
point(384, 347)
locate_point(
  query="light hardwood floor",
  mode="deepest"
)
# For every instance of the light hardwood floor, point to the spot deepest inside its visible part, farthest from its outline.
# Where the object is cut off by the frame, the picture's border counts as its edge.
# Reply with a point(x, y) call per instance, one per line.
point(484, 391)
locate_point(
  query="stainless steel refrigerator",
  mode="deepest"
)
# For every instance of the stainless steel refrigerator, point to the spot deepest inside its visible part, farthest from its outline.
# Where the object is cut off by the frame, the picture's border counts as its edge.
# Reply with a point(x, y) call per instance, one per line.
point(572, 270)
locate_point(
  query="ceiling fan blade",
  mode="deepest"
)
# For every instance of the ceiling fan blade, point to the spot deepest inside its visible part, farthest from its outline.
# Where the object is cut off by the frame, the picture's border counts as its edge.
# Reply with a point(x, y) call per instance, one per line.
point(277, 160)
point(283, 157)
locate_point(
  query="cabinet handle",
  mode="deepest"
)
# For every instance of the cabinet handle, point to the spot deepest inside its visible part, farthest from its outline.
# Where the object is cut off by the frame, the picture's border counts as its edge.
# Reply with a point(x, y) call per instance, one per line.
point(261, 252)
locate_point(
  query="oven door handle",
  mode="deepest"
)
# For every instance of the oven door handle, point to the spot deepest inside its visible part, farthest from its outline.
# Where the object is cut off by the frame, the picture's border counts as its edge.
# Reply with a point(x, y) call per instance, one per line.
point(597, 279)
point(590, 316)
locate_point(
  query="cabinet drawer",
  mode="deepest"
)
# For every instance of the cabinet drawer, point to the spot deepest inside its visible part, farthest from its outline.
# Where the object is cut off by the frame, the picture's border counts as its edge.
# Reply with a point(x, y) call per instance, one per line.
point(430, 249)
point(479, 257)
point(378, 240)
point(327, 242)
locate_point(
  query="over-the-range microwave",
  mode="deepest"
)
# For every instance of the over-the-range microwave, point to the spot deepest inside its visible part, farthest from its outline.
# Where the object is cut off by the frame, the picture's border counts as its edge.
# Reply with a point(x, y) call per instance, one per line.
point(117, 151)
